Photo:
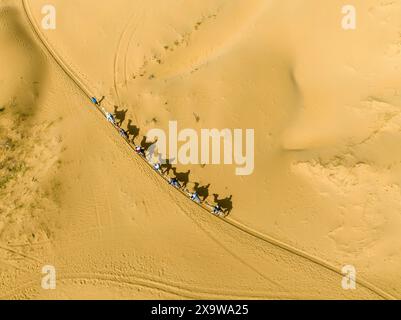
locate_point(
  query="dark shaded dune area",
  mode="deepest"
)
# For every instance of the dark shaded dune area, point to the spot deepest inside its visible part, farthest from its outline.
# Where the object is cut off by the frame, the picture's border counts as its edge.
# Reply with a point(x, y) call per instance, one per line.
point(23, 87)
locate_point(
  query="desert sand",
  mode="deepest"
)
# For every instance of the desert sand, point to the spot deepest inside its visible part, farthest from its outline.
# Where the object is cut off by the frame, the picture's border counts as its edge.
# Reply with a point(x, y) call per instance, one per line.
point(325, 107)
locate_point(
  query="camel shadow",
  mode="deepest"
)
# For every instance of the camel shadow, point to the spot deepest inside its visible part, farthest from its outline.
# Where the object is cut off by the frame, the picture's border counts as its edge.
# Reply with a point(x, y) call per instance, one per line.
point(166, 165)
point(120, 115)
point(101, 100)
point(202, 191)
point(146, 144)
point(226, 204)
point(132, 130)
point(182, 177)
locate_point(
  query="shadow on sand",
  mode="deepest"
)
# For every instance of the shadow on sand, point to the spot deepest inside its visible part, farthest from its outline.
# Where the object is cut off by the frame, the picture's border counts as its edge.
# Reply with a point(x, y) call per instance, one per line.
point(167, 168)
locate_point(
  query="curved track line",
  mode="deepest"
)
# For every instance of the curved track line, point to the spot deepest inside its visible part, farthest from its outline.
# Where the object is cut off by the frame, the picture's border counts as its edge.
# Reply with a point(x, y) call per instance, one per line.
point(241, 260)
point(159, 284)
point(116, 59)
point(74, 277)
point(131, 36)
point(81, 86)
point(171, 283)
point(117, 54)
point(131, 27)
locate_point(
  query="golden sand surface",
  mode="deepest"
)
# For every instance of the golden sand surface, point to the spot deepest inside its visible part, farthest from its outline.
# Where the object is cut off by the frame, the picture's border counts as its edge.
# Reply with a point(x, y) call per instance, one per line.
point(325, 106)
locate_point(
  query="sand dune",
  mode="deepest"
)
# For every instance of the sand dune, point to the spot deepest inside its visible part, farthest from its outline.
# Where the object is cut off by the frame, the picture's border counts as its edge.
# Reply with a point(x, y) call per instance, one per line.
point(324, 106)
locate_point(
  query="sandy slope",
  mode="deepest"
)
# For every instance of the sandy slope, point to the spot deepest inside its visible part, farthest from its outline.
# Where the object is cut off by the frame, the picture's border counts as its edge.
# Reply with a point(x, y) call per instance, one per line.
point(326, 158)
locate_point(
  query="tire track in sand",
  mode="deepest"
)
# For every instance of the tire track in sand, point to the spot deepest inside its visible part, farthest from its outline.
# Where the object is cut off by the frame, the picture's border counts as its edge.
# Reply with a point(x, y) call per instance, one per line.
point(81, 86)
point(190, 292)
point(130, 29)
